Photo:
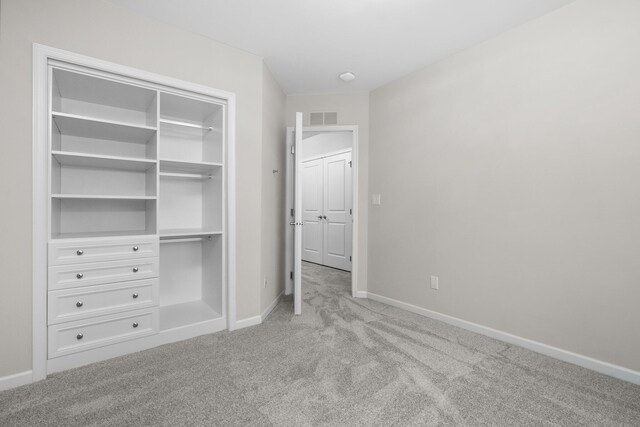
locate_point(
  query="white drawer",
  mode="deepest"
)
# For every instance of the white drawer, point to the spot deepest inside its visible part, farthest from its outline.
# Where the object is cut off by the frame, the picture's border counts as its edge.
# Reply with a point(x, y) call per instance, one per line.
point(80, 303)
point(79, 275)
point(105, 249)
point(73, 337)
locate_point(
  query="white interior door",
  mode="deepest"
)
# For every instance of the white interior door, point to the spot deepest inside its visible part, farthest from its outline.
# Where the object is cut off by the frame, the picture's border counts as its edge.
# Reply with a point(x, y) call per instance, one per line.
point(312, 181)
point(298, 222)
point(337, 211)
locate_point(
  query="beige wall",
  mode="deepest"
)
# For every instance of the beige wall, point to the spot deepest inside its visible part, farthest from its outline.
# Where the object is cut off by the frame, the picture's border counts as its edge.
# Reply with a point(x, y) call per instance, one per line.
point(105, 31)
point(511, 171)
point(353, 109)
point(273, 189)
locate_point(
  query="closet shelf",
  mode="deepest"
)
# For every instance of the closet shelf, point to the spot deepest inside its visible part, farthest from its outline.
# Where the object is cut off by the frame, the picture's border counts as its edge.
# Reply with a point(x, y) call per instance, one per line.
point(94, 234)
point(187, 313)
point(188, 232)
point(91, 127)
point(188, 125)
point(69, 158)
point(180, 166)
point(100, 197)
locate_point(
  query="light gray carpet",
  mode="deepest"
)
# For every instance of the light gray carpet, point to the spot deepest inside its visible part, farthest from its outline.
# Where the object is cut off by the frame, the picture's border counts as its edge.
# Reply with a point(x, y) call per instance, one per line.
point(344, 362)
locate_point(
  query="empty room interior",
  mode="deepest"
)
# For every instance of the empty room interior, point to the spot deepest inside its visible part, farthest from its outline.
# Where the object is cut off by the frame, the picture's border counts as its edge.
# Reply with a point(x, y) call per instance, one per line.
point(331, 213)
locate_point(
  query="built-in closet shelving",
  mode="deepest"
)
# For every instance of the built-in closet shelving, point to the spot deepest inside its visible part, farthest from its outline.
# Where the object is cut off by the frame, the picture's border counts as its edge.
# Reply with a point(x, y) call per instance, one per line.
point(137, 206)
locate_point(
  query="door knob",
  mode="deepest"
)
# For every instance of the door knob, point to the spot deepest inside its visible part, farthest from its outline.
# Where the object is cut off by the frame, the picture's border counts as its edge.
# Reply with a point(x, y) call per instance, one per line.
point(319, 216)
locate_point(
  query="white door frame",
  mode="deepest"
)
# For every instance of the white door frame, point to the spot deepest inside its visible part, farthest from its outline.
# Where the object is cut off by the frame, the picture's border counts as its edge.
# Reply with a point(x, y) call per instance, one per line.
point(40, 158)
point(354, 182)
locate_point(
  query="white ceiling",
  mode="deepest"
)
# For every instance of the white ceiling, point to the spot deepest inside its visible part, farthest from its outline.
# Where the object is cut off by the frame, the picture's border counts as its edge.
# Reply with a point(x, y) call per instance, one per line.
point(308, 43)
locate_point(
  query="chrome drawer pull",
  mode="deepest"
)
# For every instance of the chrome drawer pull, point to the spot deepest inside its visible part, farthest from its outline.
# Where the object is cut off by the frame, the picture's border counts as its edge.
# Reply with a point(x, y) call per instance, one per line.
point(135, 249)
point(135, 269)
point(79, 276)
point(135, 295)
point(79, 304)
point(79, 252)
point(135, 324)
point(79, 336)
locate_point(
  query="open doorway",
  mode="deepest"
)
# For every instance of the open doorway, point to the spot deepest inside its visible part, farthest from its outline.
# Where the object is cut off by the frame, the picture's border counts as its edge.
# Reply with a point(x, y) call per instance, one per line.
point(327, 203)
point(327, 182)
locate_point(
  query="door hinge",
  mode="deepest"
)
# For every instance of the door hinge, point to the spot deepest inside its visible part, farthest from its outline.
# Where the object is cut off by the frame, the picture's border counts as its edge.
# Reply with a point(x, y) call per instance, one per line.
point(349, 258)
point(350, 211)
point(293, 212)
point(350, 163)
point(291, 275)
point(293, 149)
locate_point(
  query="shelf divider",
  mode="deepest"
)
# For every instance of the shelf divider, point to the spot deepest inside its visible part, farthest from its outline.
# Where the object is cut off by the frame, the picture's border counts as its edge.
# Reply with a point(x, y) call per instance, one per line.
point(92, 127)
point(72, 158)
point(188, 232)
point(181, 166)
point(101, 197)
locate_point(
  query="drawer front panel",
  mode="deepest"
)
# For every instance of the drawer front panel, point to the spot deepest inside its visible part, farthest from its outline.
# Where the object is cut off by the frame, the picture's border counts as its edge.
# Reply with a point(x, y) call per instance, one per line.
point(107, 249)
point(80, 303)
point(80, 275)
point(72, 337)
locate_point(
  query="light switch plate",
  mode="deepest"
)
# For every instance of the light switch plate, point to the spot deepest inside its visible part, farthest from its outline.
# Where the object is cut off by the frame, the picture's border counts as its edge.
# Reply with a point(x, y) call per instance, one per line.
point(376, 199)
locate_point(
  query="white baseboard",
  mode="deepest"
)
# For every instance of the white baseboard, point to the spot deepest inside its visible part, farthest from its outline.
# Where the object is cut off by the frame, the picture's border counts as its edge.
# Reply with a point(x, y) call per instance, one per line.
point(361, 294)
point(16, 380)
point(555, 352)
point(269, 309)
point(249, 321)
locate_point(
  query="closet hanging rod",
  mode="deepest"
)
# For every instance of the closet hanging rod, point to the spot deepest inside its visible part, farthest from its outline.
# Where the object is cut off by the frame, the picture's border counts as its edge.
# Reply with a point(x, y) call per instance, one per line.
point(185, 124)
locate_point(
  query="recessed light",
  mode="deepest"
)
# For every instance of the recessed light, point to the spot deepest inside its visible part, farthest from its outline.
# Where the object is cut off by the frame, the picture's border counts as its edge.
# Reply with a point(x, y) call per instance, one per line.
point(347, 77)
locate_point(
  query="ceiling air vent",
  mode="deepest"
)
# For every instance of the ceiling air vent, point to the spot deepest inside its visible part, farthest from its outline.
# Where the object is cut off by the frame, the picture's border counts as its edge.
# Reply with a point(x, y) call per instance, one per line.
point(325, 118)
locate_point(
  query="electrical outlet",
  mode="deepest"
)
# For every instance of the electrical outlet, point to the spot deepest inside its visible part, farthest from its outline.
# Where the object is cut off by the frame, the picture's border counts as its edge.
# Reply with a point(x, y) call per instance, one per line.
point(434, 283)
point(264, 284)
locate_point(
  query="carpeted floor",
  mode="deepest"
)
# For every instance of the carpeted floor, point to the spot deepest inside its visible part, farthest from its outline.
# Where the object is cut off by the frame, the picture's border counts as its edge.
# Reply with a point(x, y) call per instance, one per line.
point(343, 362)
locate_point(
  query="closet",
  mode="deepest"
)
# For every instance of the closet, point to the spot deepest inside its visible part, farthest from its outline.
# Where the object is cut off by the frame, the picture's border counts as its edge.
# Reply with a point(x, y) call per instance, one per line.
point(137, 213)
point(327, 209)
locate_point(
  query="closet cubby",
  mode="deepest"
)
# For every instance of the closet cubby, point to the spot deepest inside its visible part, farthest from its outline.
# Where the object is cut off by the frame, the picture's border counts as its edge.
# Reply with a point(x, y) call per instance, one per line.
point(87, 100)
point(100, 177)
point(91, 137)
point(77, 217)
point(191, 130)
point(190, 204)
point(191, 288)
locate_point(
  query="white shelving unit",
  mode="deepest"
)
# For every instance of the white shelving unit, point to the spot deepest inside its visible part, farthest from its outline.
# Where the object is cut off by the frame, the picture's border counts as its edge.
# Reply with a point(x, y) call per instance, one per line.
point(137, 214)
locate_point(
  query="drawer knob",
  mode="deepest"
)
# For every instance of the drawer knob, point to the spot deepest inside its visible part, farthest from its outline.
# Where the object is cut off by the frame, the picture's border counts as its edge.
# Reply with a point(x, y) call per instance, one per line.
point(79, 336)
point(79, 304)
point(135, 249)
point(135, 324)
point(79, 276)
point(79, 252)
point(135, 269)
point(135, 295)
